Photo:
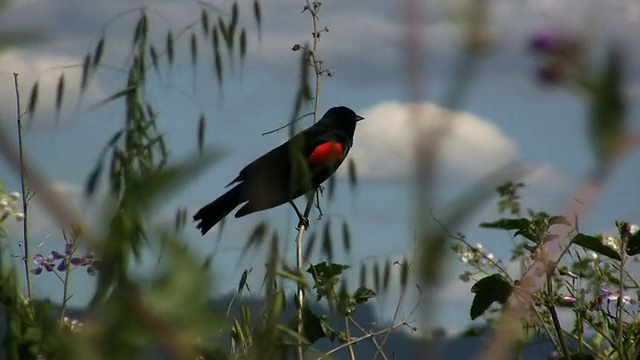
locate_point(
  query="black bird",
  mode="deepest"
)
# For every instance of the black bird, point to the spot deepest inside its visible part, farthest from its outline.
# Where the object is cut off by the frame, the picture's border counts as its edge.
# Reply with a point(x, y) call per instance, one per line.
point(292, 169)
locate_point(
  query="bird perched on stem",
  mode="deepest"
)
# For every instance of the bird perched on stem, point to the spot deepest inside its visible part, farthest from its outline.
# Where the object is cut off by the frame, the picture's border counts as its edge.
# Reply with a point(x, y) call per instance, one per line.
point(290, 170)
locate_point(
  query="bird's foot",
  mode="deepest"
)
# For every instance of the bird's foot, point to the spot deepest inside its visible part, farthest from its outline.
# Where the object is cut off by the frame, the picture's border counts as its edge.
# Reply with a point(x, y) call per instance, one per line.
point(303, 222)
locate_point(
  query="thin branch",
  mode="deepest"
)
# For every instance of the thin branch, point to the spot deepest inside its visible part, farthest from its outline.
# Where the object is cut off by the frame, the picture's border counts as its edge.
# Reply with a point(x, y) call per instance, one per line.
point(25, 200)
point(286, 125)
point(361, 338)
point(352, 354)
point(373, 339)
point(313, 9)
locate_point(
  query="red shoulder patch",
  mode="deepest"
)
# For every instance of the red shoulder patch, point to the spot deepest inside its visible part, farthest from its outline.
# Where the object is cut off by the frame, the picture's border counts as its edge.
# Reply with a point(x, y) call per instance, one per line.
point(325, 153)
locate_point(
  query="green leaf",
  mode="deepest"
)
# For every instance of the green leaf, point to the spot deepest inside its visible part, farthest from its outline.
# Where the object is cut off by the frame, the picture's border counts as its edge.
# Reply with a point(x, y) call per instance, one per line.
point(325, 277)
point(154, 57)
point(507, 224)
point(327, 248)
point(257, 236)
point(489, 290)
point(201, 132)
point(346, 237)
point(608, 108)
point(404, 273)
point(204, 21)
point(353, 173)
point(84, 81)
point(170, 48)
point(243, 282)
point(595, 244)
point(257, 14)
point(33, 98)
point(312, 325)
point(194, 49)
point(633, 246)
point(386, 275)
point(363, 294)
point(97, 53)
point(59, 94)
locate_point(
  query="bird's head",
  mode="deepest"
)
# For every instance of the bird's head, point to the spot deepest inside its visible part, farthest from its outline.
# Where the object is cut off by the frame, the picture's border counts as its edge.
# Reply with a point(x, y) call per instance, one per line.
point(341, 117)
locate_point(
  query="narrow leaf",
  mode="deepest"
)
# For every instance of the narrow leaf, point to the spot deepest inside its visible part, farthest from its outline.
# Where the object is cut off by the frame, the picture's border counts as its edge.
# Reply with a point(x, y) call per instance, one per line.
point(170, 48)
point(85, 73)
point(608, 108)
point(595, 244)
point(194, 49)
point(376, 277)
point(243, 281)
point(97, 53)
point(92, 180)
point(218, 65)
point(204, 21)
point(507, 224)
point(59, 94)
point(257, 14)
point(243, 44)
point(327, 248)
point(353, 173)
point(154, 57)
point(346, 237)
point(201, 130)
point(404, 273)
point(33, 98)
point(115, 96)
point(386, 275)
point(234, 14)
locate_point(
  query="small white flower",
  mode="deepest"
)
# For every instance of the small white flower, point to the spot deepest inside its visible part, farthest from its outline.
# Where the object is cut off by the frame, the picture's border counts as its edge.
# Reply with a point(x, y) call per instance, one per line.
point(466, 256)
point(15, 196)
point(19, 216)
point(4, 203)
point(593, 255)
point(633, 229)
point(611, 242)
point(490, 256)
point(478, 246)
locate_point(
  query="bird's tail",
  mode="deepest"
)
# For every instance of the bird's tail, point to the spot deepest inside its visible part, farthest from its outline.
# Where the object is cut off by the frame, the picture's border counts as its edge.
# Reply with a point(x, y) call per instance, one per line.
point(213, 212)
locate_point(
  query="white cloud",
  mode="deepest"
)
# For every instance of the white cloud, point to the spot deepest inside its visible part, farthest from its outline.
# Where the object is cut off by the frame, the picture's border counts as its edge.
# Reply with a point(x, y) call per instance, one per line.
point(384, 142)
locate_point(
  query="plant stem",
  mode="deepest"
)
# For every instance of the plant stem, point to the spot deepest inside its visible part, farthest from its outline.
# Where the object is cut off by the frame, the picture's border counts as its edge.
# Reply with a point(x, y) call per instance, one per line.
point(359, 339)
point(25, 200)
point(566, 353)
point(301, 227)
point(65, 287)
point(620, 303)
point(299, 266)
point(352, 354)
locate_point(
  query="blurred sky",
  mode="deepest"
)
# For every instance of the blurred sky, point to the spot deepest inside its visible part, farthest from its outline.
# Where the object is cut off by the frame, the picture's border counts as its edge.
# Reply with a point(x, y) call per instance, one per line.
point(505, 116)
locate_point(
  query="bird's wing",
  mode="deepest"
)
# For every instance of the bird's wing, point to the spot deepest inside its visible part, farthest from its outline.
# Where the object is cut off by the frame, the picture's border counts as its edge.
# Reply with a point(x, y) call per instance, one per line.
point(317, 145)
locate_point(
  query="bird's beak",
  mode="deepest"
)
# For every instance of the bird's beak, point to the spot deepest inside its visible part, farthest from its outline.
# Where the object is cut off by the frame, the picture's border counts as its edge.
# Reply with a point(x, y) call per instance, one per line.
point(358, 117)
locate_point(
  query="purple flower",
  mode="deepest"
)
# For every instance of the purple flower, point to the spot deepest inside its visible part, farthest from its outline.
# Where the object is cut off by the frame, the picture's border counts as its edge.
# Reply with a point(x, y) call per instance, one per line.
point(544, 42)
point(614, 296)
point(550, 73)
point(567, 301)
point(42, 262)
point(89, 261)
